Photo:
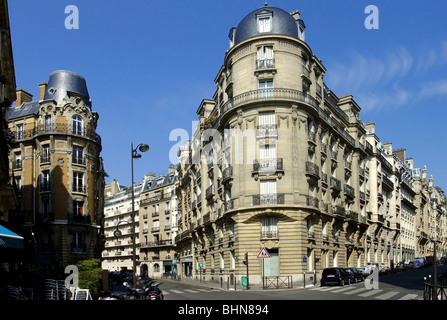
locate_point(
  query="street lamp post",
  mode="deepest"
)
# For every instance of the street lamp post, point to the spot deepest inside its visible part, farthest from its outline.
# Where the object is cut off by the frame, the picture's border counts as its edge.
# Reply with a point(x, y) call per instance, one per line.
point(135, 155)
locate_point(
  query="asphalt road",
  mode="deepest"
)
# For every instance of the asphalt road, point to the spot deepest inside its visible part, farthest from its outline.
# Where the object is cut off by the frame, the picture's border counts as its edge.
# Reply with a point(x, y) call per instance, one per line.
point(406, 285)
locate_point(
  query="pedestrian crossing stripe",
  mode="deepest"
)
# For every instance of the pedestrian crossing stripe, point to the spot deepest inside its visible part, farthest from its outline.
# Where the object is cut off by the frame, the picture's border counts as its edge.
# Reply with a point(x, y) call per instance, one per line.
point(370, 293)
point(387, 295)
point(357, 291)
point(187, 290)
point(410, 296)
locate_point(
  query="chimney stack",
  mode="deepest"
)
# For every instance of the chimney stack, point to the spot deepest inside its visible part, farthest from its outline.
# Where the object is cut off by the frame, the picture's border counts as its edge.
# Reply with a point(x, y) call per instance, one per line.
point(22, 96)
point(295, 15)
point(401, 154)
point(42, 89)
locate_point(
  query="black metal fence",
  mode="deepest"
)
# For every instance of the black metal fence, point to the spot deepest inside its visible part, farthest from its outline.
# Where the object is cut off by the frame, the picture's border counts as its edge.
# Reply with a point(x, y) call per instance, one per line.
point(277, 282)
point(436, 291)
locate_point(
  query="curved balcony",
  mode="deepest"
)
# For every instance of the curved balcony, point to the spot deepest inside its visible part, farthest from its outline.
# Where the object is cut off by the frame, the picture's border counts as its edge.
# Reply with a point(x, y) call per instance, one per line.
point(59, 128)
point(269, 94)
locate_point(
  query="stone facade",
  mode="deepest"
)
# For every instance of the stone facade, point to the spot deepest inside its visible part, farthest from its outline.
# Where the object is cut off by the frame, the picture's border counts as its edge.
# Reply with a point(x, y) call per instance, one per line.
point(280, 162)
point(58, 171)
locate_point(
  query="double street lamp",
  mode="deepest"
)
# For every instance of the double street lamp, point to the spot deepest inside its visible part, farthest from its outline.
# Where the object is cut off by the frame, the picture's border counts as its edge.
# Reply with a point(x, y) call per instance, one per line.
point(134, 155)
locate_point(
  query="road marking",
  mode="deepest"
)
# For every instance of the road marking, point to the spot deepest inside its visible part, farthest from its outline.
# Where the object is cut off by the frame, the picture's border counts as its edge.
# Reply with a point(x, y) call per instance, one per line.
point(410, 296)
point(356, 291)
point(192, 291)
point(177, 291)
point(370, 293)
point(387, 295)
point(204, 290)
point(343, 289)
point(325, 288)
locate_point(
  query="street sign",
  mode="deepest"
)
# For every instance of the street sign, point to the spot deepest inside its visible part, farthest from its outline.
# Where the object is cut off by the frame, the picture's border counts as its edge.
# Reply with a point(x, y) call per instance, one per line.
point(263, 254)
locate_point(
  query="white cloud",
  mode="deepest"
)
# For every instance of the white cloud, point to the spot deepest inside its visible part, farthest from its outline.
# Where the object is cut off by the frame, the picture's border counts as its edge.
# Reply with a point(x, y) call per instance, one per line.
point(391, 79)
point(434, 88)
point(376, 101)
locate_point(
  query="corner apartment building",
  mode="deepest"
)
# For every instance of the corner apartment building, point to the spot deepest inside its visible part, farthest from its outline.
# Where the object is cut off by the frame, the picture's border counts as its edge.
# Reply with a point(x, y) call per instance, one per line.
point(57, 168)
point(280, 162)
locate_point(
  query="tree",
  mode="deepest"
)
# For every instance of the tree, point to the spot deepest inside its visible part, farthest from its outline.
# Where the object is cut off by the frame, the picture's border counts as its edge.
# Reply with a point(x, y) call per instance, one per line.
point(90, 275)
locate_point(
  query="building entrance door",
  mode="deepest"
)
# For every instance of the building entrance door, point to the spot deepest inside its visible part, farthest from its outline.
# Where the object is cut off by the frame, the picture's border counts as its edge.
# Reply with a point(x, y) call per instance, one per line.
point(271, 265)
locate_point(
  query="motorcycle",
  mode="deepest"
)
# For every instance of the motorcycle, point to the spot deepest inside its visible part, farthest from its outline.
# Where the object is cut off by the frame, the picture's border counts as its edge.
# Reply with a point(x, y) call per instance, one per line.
point(106, 295)
point(134, 293)
point(153, 292)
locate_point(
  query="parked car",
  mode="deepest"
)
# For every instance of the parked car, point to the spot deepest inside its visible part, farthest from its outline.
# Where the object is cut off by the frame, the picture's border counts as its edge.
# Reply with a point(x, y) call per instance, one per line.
point(356, 274)
point(335, 276)
point(400, 267)
point(415, 264)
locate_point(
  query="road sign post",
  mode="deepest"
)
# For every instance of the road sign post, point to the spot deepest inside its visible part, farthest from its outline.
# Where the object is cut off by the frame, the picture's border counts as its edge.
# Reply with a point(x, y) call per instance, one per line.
point(263, 254)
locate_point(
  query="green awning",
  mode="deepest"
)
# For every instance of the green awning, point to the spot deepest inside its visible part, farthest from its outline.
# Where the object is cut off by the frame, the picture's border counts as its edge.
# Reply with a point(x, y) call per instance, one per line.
point(9, 239)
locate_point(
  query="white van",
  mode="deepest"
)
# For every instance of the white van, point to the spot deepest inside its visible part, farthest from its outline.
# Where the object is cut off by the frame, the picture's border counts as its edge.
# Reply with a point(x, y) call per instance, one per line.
point(415, 264)
point(421, 261)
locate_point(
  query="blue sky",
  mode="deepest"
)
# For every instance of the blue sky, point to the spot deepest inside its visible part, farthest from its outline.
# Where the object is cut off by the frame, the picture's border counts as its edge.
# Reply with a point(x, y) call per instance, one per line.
point(149, 64)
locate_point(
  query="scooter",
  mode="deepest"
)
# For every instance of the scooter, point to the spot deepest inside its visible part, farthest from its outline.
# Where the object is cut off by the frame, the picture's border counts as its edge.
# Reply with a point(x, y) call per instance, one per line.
point(153, 292)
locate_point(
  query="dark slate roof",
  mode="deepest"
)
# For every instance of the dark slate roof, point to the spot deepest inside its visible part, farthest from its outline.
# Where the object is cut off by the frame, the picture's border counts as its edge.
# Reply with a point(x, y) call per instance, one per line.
point(282, 24)
point(26, 109)
point(166, 180)
point(62, 82)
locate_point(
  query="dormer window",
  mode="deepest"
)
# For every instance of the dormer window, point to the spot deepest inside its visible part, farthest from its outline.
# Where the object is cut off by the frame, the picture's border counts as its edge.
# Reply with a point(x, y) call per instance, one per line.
point(301, 28)
point(232, 36)
point(264, 21)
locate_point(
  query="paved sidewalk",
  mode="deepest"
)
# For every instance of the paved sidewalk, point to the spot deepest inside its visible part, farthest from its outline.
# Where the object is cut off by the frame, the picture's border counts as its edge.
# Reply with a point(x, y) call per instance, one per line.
point(225, 287)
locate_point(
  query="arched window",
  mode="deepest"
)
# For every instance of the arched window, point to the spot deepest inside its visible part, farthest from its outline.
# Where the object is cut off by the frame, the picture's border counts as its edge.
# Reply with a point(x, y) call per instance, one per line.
point(78, 125)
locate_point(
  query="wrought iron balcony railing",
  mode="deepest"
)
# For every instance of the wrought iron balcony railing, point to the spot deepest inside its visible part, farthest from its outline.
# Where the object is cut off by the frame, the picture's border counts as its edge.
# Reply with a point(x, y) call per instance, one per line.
point(58, 128)
point(269, 164)
point(267, 130)
point(265, 63)
point(269, 199)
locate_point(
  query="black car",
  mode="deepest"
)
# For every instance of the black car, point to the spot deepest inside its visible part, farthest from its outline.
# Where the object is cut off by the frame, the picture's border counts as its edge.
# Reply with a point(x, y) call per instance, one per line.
point(337, 276)
point(355, 274)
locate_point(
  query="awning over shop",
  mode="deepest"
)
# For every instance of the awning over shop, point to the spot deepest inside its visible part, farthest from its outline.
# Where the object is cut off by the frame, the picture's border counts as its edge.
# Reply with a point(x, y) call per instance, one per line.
point(9, 239)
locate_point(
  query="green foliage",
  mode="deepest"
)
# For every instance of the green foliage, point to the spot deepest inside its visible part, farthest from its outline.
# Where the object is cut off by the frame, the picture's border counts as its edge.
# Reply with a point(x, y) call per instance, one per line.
point(89, 274)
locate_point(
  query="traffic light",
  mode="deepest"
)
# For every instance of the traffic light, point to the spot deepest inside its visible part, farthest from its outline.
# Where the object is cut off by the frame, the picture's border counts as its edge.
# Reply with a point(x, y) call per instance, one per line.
point(246, 259)
point(246, 263)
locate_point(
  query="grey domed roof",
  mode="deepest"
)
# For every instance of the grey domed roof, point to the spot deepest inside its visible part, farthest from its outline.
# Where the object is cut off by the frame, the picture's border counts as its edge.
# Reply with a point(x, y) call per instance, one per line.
point(62, 82)
point(282, 23)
